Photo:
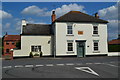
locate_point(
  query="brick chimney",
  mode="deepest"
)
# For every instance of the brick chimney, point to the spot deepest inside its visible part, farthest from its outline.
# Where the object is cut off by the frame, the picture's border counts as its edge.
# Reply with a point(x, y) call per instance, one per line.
point(96, 15)
point(53, 16)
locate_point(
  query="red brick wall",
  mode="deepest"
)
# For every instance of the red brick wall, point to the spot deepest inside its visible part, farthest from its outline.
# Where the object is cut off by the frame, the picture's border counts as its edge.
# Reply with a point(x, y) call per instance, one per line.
point(10, 46)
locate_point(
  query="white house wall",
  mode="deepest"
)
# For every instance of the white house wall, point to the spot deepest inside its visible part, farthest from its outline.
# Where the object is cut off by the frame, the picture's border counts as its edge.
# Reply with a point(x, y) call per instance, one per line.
point(87, 28)
point(27, 41)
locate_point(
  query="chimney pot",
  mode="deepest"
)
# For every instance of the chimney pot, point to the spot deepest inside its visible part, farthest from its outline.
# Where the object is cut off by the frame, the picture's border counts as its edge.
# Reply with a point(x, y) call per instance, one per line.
point(96, 15)
point(53, 12)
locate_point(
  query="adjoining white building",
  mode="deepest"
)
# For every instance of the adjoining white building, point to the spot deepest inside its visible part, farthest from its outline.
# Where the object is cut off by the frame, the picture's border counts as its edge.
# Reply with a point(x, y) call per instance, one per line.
point(73, 34)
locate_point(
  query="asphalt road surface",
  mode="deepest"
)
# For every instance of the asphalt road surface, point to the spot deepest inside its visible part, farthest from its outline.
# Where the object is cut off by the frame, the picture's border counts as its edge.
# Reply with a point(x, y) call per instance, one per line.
point(88, 67)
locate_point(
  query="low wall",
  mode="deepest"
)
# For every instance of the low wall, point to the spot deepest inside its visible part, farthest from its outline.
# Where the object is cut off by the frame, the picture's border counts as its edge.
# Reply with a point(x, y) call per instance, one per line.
point(18, 53)
point(113, 53)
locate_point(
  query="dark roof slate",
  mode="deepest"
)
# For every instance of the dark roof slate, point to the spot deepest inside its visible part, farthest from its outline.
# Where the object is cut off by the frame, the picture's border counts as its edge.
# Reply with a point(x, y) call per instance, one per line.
point(37, 29)
point(77, 16)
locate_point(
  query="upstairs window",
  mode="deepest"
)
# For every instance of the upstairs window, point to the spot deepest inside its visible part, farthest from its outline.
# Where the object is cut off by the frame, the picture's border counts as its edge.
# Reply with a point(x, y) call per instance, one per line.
point(95, 29)
point(69, 30)
point(13, 43)
point(7, 43)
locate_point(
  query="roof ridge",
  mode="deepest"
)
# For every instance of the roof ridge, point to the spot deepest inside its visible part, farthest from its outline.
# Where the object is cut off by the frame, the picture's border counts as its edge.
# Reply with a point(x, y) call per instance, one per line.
point(81, 13)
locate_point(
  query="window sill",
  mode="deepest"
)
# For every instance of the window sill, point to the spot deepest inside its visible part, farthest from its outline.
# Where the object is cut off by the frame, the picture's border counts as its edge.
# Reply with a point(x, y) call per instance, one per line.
point(69, 35)
point(95, 35)
point(69, 52)
point(96, 51)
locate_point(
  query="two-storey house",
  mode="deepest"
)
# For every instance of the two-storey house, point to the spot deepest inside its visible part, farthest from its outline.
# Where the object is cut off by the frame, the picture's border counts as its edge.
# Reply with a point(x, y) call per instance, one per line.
point(73, 34)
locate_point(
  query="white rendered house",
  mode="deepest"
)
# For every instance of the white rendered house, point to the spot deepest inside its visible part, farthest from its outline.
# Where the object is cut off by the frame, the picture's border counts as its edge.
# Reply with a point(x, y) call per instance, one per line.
point(73, 34)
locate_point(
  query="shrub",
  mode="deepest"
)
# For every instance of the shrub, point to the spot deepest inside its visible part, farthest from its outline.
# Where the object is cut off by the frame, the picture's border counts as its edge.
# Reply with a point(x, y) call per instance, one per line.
point(18, 45)
point(31, 54)
point(41, 54)
point(36, 54)
point(113, 48)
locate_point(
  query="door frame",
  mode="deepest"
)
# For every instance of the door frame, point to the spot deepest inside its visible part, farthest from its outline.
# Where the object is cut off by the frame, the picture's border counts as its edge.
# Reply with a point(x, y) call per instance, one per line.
point(84, 41)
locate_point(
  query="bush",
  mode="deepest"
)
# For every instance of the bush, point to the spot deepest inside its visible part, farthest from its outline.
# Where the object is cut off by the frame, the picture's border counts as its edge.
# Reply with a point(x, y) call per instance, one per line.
point(41, 54)
point(31, 54)
point(18, 45)
point(36, 54)
point(113, 48)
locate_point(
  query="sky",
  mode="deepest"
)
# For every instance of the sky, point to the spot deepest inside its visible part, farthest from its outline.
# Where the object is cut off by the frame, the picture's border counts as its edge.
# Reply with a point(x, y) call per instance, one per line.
point(40, 13)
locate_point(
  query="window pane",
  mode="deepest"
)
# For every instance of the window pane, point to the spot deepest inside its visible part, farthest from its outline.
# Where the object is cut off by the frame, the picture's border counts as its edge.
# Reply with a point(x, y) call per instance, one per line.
point(32, 48)
point(95, 28)
point(13, 43)
point(69, 27)
point(36, 50)
point(95, 44)
point(95, 48)
point(7, 50)
point(70, 46)
point(69, 31)
point(39, 48)
point(95, 32)
point(7, 43)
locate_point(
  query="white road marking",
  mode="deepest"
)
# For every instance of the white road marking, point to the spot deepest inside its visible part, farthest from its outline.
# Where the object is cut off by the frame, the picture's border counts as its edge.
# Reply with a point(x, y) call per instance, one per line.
point(112, 65)
point(88, 71)
point(89, 63)
point(97, 63)
point(49, 64)
point(7, 67)
point(69, 64)
point(39, 65)
point(112, 62)
point(18, 66)
point(28, 65)
point(79, 64)
point(60, 64)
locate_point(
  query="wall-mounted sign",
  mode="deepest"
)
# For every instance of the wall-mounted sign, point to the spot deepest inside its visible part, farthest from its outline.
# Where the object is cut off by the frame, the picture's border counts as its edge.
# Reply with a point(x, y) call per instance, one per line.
point(80, 32)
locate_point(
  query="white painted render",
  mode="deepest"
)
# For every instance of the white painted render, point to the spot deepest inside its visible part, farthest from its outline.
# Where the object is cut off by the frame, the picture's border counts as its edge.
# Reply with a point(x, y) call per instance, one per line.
point(61, 38)
point(27, 41)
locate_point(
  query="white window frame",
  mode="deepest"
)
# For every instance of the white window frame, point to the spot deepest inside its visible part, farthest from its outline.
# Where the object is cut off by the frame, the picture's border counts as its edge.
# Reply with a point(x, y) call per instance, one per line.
point(95, 32)
point(69, 28)
point(70, 41)
point(96, 46)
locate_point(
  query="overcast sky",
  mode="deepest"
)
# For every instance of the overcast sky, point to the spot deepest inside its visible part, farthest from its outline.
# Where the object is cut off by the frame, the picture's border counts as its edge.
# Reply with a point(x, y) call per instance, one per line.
point(40, 13)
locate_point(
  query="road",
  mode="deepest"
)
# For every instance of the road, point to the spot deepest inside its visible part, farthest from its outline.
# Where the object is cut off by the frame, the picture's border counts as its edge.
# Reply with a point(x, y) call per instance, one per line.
point(88, 67)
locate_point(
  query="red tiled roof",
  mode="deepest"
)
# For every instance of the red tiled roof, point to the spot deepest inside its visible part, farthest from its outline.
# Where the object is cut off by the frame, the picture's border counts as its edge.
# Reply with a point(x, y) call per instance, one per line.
point(115, 41)
point(12, 37)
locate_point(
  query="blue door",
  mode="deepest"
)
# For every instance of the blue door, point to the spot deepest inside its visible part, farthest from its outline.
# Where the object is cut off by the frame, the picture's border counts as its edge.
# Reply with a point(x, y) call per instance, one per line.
point(80, 49)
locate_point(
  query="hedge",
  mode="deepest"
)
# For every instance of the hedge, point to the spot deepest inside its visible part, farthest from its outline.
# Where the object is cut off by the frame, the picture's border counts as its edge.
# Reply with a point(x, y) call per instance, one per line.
point(113, 48)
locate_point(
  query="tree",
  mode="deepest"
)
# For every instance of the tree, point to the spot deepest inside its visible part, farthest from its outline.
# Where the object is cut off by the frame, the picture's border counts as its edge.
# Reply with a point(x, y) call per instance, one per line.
point(18, 45)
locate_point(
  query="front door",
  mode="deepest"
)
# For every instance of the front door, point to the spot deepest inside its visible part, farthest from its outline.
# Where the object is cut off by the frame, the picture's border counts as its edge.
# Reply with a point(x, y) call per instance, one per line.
point(80, 49)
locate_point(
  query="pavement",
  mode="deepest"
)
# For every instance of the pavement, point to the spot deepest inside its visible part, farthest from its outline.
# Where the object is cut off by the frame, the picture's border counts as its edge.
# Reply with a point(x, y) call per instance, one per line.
point(88, 67)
